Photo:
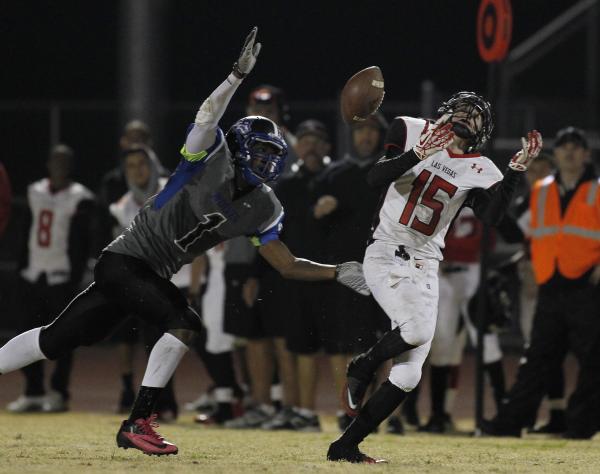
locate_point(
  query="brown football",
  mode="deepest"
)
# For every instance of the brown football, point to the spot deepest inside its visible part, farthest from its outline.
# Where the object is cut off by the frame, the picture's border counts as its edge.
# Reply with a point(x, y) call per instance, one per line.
point(362, 95)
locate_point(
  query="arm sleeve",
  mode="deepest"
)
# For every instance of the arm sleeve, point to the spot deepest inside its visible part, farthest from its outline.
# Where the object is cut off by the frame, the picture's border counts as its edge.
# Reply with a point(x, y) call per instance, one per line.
point(201, 136)
point(5, 199)
point(491, 204)
point(270, 233)
point(396, 160)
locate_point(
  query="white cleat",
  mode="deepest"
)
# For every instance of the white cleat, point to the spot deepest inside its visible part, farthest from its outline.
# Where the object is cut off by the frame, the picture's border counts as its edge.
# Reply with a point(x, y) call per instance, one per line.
point(25, 404)
point(54, 403)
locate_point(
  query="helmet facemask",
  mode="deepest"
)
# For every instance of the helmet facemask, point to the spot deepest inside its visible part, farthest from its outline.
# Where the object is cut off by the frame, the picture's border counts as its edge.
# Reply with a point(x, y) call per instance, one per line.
point(471, 118)
point(258, 148)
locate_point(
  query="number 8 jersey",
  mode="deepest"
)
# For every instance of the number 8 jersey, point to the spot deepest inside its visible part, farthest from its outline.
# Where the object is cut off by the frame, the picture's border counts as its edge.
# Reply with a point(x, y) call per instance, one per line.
point(419, 206)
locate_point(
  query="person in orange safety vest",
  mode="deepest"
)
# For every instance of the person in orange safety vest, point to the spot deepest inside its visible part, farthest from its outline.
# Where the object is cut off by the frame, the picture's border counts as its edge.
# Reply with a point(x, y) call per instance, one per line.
point(565, 254)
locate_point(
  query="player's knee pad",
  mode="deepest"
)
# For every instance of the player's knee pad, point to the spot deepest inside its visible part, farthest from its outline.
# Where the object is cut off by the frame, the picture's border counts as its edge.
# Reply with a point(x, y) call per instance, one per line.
point(405, 376)
point(417, 334)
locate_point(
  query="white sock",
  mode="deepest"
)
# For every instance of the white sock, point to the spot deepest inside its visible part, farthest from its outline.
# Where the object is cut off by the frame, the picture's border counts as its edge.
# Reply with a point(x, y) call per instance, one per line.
point(277, 392)
point(21, 351)
point(223, 394)
point(164, 359)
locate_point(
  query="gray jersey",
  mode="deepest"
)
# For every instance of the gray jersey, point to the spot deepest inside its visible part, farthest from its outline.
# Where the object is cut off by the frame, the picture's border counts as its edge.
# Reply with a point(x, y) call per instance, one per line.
point(196, 210)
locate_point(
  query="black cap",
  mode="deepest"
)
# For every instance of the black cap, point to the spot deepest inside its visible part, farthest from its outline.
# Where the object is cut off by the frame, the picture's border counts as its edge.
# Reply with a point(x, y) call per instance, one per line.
point(376, 120)
point(312, 127)
point(265, 94)
point(571, 135)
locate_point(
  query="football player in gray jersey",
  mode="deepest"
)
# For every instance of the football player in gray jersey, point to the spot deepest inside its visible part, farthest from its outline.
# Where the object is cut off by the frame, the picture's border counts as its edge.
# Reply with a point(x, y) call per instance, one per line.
point(217, 192)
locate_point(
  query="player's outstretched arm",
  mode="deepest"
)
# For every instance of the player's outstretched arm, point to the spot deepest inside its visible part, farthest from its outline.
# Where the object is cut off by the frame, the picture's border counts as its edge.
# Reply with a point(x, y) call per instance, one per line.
point(202, 135)
point(490, 205)
point(279, 257)
point(435, 137)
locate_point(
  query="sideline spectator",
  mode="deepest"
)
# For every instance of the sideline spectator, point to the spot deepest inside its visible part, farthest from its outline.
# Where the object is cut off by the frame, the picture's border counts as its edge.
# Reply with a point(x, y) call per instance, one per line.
point(306, 326)
point(565, 254)
point(54, 261)
point(271, 102)
point(344, 209)
point(458, 282)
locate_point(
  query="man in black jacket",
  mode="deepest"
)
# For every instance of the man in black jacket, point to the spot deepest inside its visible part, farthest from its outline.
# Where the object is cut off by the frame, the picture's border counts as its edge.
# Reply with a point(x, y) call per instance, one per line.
point(344, 211)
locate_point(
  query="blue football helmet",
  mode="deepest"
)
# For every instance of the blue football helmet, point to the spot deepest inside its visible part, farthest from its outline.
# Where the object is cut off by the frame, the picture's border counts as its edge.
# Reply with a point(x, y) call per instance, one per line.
point(258, 148)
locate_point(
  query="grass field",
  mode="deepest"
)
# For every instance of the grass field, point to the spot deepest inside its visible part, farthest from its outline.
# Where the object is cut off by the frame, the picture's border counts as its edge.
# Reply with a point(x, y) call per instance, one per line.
point(84, 442)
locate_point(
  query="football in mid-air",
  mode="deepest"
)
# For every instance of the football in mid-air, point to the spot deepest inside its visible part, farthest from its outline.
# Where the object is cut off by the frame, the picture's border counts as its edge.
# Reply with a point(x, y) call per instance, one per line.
point(362, 95)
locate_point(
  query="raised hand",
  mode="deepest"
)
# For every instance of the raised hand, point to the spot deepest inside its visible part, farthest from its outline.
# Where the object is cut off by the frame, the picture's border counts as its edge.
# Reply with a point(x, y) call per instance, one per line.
point(434, 138)
point(248, 55)
point(531, 149)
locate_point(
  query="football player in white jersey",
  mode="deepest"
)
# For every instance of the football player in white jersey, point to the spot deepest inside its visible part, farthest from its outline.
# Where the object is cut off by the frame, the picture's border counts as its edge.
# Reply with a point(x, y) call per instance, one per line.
point(57, 250)
point(458, 282)
point(429, 171)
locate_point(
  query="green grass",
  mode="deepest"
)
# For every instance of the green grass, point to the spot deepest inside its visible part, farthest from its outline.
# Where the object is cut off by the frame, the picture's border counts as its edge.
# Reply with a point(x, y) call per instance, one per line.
point(83, 442)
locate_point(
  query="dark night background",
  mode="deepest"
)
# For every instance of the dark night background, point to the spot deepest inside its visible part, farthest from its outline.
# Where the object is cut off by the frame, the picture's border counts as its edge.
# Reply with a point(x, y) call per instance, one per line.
point(68, 50)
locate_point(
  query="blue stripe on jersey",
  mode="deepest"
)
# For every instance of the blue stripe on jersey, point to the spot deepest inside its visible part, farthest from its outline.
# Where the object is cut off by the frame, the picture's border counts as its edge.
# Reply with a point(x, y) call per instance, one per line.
point(184, 172)
point(272, 233)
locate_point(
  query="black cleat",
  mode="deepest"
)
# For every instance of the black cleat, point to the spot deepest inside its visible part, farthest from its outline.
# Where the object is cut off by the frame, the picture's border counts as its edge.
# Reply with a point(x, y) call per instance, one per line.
point(495, 428)
point(438, 424)
point(340, 452)
point(358, 380)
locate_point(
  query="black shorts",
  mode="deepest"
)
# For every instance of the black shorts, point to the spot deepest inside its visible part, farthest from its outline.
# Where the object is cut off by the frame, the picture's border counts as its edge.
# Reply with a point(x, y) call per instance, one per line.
point(266, 319)
point(333, 318)
point(122, 286)
point(272, 305)
point(239, 319)
point(309, 327)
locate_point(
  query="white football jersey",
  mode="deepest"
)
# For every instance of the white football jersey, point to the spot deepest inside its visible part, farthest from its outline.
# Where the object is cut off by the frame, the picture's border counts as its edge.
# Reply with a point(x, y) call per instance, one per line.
point(51, 214)
point(125, 209)
point(419, 206)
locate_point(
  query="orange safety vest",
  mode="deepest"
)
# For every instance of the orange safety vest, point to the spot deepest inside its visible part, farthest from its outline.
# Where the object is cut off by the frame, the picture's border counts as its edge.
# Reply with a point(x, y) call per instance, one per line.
point(568, 243)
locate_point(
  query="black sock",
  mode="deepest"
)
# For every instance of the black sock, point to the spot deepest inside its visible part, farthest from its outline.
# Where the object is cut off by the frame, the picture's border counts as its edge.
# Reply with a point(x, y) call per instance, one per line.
point(145, 402)
point(381, 405)
point(438, 385)
point(34, 379)
point(166, 401)
point(127, 382)
point(556, 384)
point(495, 373)
point(390, 345)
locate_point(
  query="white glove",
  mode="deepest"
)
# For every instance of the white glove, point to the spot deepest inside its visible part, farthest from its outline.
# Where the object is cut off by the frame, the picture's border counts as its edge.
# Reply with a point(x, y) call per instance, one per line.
point(436, 137)
point(350, 274)
point(248, 55)
point(531, 149)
